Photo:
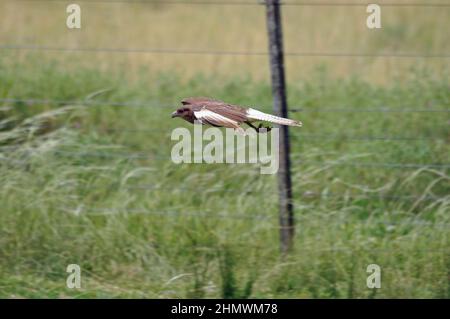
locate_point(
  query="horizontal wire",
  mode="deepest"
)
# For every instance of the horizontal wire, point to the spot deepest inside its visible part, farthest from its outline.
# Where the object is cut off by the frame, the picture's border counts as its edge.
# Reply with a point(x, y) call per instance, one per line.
point(305, 195)
point(319, 137)
point(211, 52)
point(109, 212)
point(372, 110)
point(353, 4)
point(259, 3)
point(367, 138)
point(386, 165)
point(330, 163)
point(314, 137)
point(319, 195)
point(150, 156)
point(294, 134)
point(143, 155)
point(154, 104)
point(103, 212)
point(308, 194)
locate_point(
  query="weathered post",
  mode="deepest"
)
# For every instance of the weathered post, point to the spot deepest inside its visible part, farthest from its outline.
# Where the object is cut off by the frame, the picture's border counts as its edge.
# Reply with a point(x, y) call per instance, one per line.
point(286, 216)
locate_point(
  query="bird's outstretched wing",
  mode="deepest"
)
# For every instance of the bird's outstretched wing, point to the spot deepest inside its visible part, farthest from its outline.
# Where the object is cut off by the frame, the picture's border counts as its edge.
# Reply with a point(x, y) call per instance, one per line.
point(206, 116)
point(215, 112)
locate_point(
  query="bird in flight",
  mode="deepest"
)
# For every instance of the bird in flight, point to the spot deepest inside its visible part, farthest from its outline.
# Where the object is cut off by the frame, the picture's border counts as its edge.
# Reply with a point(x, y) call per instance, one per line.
point(221, 114)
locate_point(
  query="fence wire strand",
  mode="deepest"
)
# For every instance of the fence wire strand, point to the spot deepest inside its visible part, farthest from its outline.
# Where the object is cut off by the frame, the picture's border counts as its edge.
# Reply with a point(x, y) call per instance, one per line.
point(35, 129)
point(328, 163)
point(261, 3)
point(305, 195)
point(157, 104)
point(217, 52)
point(173, 213)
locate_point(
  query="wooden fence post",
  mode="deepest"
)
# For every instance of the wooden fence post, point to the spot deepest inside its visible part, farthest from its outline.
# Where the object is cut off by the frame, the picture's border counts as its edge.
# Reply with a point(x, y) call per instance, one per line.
point(286, 216)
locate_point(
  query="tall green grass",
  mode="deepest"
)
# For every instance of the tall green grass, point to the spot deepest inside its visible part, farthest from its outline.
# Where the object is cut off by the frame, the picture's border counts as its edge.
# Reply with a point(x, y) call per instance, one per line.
point(93, 184)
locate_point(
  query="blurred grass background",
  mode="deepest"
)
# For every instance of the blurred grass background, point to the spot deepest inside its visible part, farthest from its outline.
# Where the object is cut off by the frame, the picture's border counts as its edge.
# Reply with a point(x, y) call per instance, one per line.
point(335, 29)
point(93, 184)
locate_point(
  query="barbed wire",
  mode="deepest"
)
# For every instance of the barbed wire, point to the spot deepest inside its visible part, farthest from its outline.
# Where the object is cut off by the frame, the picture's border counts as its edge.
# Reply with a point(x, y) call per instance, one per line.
point(329, 163)
point(354, 4)
point(157, 158)
point(371, 110)
point(367, 138)
point(217, 52)
point(295, 134)
point(173, 213)
point(385, 165)
point(157, 104)
point(333, 137)
point(143, 155)
point(306, 195)
point(314, 137)
point(261, 2)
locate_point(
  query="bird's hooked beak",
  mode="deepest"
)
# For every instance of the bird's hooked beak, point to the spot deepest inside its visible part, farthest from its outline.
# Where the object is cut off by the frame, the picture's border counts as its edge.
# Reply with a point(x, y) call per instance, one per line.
point(175, 114)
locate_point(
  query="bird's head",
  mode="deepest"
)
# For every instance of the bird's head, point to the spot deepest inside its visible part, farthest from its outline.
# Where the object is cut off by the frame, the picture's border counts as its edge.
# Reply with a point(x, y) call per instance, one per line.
point(182, 112)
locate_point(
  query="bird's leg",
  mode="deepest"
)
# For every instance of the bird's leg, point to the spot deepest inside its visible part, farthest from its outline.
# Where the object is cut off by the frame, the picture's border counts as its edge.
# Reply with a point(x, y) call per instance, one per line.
point(267, 128)
point(252, 126)
point(239, 130)
point(258, 129)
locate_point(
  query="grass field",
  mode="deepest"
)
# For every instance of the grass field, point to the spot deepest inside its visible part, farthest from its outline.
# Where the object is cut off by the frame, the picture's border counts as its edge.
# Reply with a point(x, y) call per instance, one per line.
point(92, 183)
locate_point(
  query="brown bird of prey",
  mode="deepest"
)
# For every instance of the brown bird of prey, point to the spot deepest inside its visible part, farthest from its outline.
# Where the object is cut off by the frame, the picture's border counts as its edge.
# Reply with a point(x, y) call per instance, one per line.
point(221, 114)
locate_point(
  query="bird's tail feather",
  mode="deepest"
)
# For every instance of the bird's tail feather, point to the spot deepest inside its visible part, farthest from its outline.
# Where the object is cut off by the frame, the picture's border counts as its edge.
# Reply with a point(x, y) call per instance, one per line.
point(260, 116)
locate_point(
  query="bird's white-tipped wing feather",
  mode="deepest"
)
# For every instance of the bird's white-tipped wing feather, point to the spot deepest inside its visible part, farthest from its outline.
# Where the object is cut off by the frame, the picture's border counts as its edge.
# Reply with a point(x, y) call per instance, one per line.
point(206, 116)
